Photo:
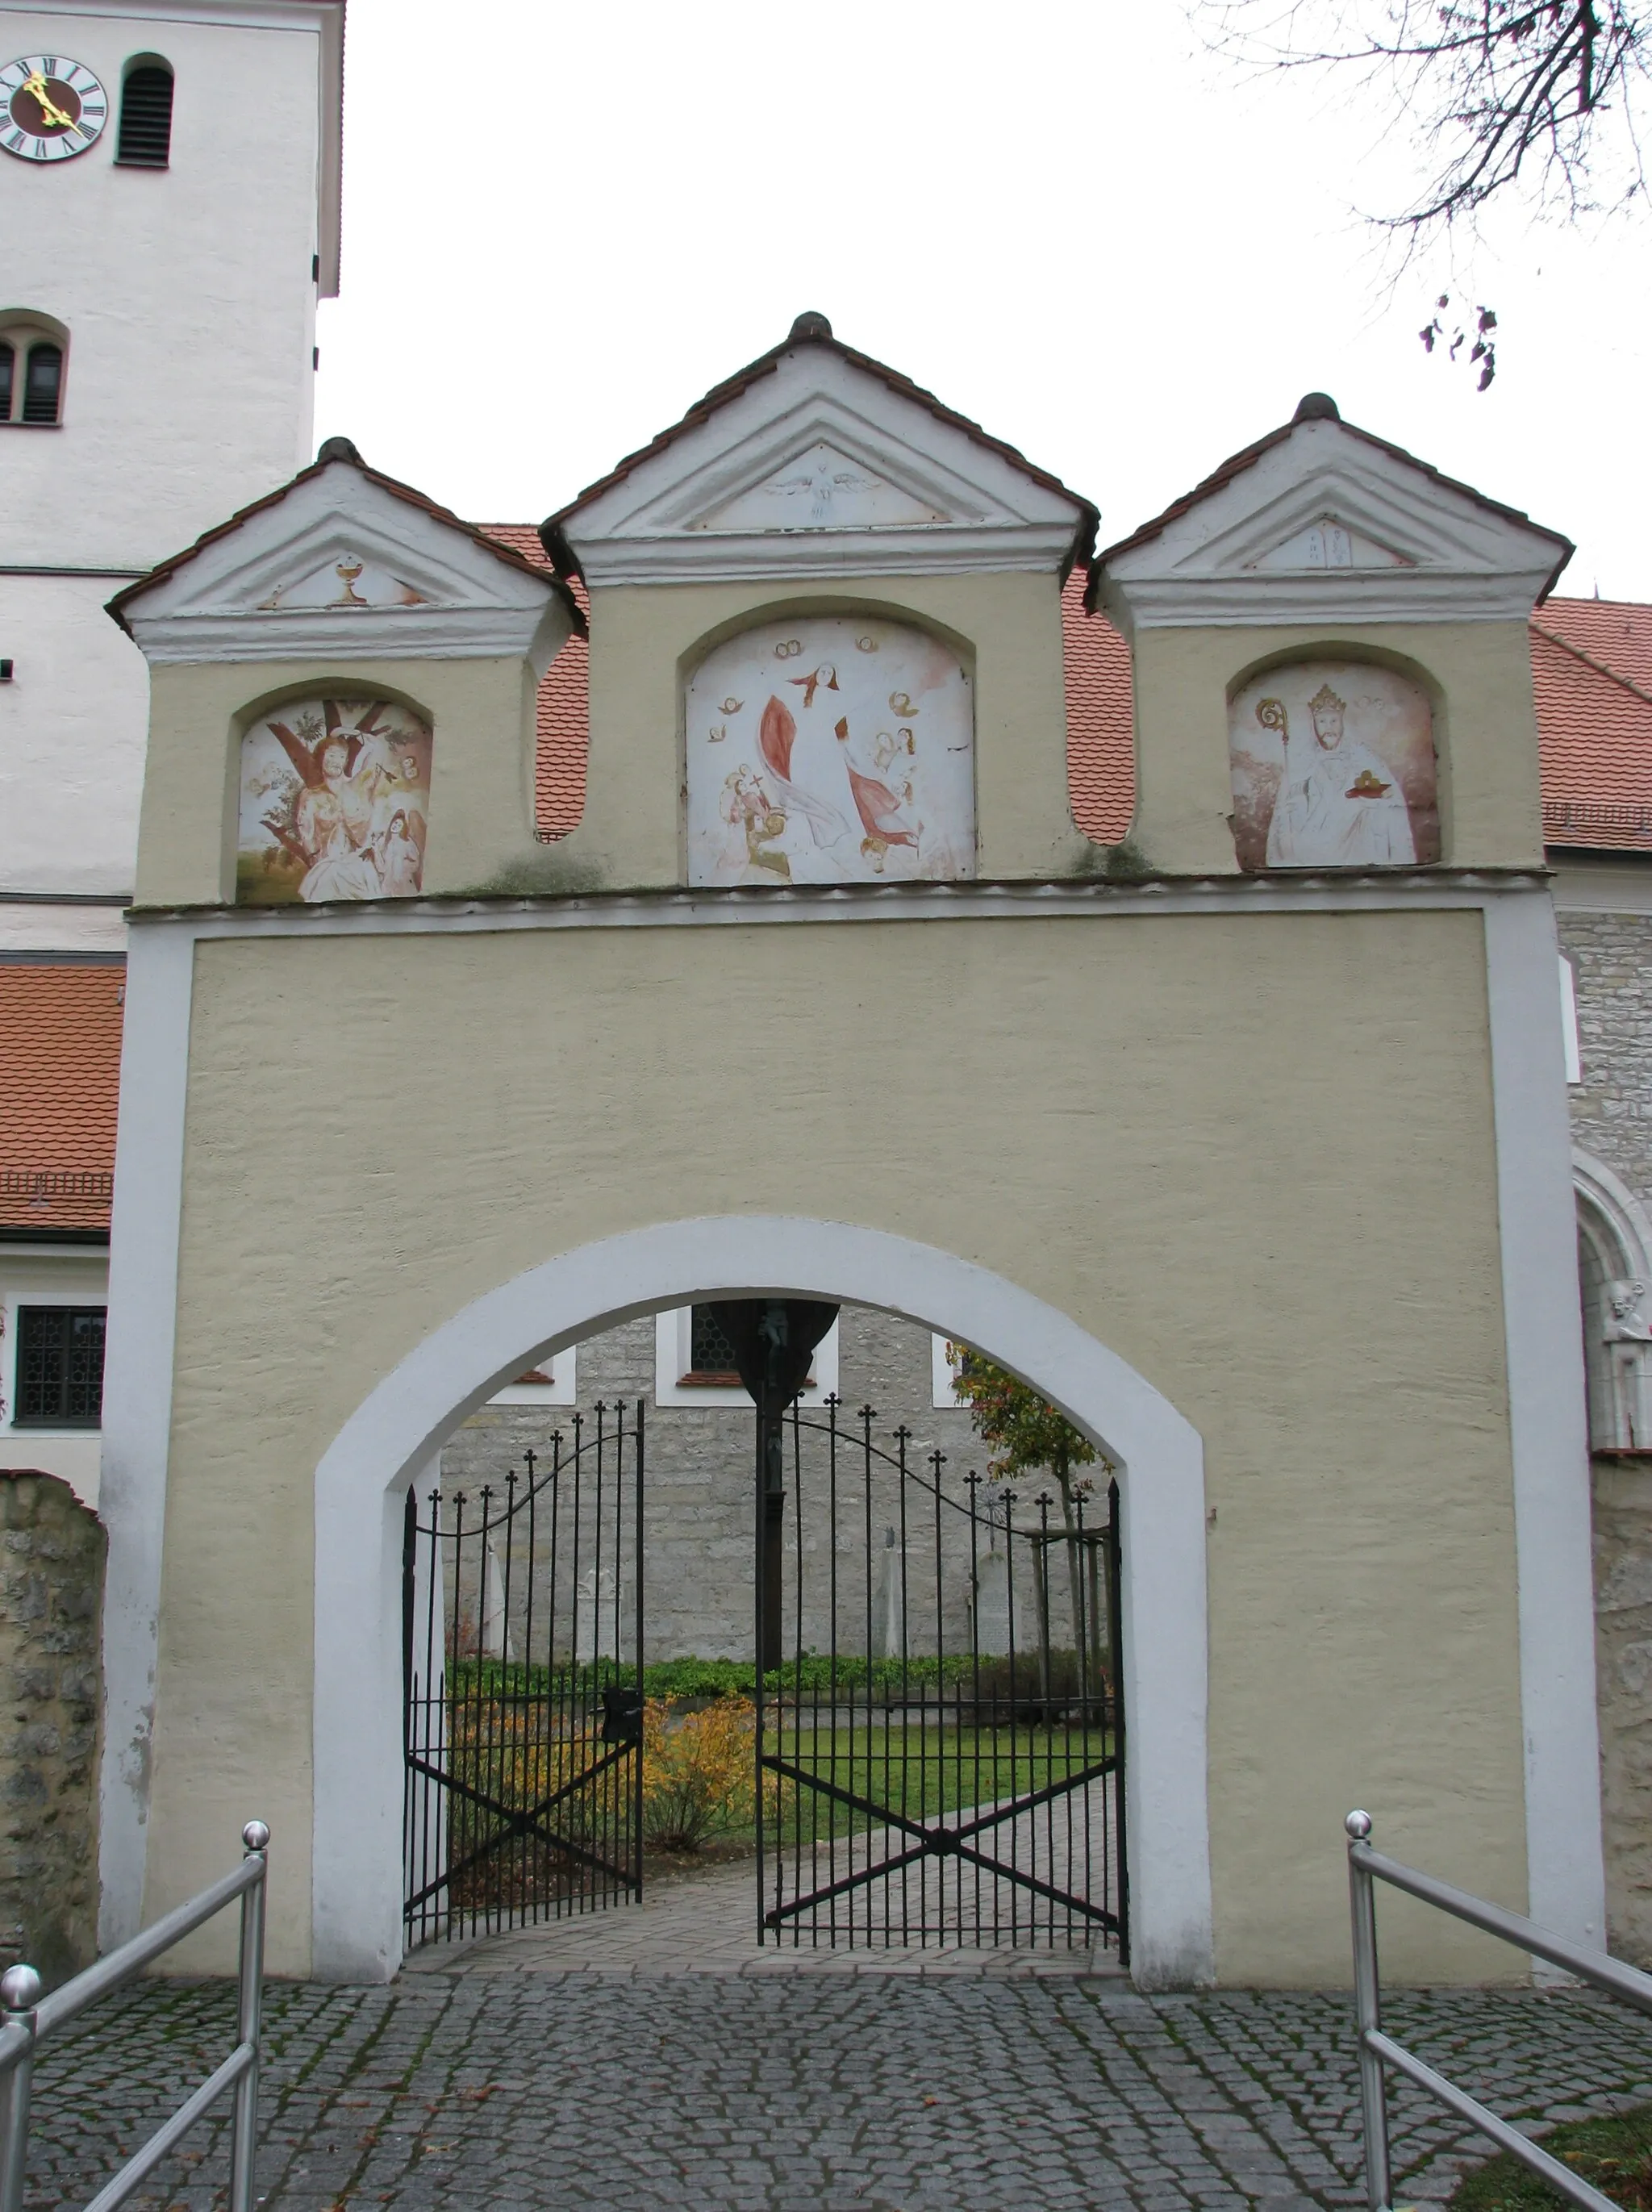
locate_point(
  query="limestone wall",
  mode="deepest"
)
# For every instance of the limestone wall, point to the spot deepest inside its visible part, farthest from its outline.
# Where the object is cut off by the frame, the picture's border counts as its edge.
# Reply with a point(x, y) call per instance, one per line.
point(50, 1596)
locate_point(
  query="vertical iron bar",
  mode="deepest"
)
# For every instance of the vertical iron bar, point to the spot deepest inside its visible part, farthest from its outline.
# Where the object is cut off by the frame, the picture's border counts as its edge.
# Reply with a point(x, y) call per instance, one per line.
point(797, 1695)
point(1368, 2015)
point(831, 1537)
point(1121, 1745)
point(20, 1993)
point(972, 1483)
point(244, 2152)
point(760, 1520)
point(636, 1844)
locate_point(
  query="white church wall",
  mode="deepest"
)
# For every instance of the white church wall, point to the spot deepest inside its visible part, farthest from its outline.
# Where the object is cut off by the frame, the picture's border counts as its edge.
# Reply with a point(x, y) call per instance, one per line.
point(188, 298)
point(186, 291)
point(72, 724)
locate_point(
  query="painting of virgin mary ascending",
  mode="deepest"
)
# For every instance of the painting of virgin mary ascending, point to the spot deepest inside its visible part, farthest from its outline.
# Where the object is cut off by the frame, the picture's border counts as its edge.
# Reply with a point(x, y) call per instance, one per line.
point(830, 751)
point(335, 803)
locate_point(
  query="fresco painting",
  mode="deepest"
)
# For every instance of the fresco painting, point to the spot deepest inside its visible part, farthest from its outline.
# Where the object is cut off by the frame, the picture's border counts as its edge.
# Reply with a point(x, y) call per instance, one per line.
point(1333, 767)
point(335, 803)
point(830, 751)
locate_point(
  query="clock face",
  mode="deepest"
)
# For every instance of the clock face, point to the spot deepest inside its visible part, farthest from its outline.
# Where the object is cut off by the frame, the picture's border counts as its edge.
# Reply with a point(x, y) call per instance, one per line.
point(51, 108)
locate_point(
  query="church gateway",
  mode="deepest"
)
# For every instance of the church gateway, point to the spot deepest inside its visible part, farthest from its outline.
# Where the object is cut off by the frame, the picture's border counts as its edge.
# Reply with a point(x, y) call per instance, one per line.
point(1138, 962)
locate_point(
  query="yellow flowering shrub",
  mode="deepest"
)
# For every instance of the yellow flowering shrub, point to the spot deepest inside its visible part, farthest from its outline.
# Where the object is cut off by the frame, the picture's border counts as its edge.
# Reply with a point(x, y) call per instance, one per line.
point(697, 1772)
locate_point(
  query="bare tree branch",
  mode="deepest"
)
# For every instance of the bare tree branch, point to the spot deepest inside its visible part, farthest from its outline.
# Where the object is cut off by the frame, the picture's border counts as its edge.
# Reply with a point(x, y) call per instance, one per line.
point(1535, 98)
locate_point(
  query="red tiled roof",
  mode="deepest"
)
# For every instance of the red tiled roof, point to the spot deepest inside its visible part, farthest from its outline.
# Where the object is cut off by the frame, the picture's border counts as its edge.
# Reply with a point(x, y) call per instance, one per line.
point(1100, 718)
point(1590, 661)
point(59, 1085)
point(563, 703)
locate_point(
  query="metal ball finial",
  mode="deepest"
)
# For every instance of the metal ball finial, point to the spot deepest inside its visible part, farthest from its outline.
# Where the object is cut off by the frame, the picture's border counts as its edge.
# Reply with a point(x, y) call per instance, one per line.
point(1358, 1826)
point(256, 1836)
point(21, 1989)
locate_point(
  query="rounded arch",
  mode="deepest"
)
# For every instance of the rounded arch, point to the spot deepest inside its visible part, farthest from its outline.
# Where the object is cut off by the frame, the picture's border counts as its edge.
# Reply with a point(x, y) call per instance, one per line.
point(1614, 1248)
point(391, 1436)
point(833, 605)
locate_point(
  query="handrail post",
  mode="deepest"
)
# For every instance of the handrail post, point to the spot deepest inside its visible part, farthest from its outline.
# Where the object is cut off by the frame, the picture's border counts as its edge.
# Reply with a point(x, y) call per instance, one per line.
point(255, 1836)
point(1368, 2014)
point(20, 1993)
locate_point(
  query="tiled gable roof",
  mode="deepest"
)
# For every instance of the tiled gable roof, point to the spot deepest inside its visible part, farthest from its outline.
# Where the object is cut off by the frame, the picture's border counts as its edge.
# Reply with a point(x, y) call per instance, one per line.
point(60, 1083)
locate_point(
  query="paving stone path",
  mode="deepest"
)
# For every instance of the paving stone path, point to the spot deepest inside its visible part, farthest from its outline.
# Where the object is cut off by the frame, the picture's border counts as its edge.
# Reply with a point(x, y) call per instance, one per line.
point(880, 2092)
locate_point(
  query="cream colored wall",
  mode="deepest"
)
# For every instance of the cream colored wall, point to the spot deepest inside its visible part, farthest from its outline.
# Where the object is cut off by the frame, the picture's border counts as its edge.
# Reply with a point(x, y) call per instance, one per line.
point(1251, 1153)
point(482, 765)
point(1485, 730)
point(645, 637)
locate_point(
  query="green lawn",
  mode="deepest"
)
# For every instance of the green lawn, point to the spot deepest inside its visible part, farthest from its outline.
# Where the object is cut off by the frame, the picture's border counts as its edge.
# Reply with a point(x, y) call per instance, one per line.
point(1614, 2156)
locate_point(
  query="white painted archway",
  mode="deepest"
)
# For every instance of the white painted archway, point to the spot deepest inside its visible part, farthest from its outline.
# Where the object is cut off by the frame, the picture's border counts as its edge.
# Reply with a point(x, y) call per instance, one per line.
point(360, 1480)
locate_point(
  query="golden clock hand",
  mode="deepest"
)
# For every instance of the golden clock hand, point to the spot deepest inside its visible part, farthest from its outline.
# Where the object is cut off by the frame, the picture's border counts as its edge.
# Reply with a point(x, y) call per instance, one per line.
point(35, 86)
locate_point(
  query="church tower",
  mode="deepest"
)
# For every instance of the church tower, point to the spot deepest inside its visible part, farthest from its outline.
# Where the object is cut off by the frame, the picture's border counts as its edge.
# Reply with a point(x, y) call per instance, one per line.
point(169, 202)
point(169, 195)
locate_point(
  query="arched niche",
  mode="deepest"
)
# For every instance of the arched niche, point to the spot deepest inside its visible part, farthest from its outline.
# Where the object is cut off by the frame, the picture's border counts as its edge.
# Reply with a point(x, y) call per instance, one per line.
point(334, 800)
point(1614, 1273)
point(829, 749)
point(1333, 766)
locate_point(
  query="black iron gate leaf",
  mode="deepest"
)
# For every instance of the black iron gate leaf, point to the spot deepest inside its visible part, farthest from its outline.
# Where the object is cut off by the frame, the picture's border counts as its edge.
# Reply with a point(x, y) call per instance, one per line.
point(522, 1704)
point(929, 1770)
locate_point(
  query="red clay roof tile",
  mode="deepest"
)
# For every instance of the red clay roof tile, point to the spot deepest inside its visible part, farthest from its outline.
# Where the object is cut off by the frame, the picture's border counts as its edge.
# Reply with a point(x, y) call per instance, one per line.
point(59, 1085)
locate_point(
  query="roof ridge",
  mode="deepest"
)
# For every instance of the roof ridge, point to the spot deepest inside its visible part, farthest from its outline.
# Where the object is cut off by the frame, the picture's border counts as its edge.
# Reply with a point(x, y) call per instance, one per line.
point(733, 386)
point(326, 458)
point(1599, 667)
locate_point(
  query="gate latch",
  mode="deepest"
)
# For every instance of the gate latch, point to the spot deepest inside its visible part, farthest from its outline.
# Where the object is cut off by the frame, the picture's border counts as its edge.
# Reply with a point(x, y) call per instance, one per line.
point(622, 1716)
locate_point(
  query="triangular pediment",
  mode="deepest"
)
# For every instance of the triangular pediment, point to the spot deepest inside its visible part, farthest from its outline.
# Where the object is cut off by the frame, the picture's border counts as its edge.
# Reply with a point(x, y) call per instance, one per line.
point(817, 461)
point(1321, 521)
point(822, 487)
point(1329, 542)
point(350, 582)
point(344, 562)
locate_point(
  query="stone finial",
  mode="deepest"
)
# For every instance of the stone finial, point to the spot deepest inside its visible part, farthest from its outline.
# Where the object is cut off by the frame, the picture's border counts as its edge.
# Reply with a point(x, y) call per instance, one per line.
point(338, 449)
point(1317, 407)
point(809, 325)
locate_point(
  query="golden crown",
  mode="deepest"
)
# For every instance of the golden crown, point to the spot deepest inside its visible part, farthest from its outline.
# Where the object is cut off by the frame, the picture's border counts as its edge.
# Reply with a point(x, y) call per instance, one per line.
point(1325, 696)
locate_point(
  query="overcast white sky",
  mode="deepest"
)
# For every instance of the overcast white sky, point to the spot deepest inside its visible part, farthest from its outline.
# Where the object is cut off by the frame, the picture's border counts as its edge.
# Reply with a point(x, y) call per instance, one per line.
point(562, 226)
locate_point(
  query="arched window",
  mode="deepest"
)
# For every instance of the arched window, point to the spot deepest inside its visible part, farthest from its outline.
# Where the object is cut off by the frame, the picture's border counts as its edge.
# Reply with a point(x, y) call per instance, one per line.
point(34, 351)
point(145, 138)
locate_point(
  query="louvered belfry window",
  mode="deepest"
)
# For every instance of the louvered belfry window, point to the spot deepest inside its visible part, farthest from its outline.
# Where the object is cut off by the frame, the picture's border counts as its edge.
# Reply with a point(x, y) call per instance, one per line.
point(7, 371)
point(59, 1367)
point(43, 383)
point(145, 140)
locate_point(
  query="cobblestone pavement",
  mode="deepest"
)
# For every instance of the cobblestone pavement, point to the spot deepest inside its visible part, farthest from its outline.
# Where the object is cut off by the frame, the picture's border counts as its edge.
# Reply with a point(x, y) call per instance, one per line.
point(722, 2090)
point(707, 1922)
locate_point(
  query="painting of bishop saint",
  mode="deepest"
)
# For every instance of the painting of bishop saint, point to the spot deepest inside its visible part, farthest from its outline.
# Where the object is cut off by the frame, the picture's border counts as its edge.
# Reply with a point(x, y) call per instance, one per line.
point(830, 751)
point(1333, 767)
point(335, 803)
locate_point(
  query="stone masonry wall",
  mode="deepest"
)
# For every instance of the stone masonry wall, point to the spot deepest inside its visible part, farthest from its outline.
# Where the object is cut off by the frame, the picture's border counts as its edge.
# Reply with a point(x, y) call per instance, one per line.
point(1611, 955)
point(1612, 1108)
point(51, 1602)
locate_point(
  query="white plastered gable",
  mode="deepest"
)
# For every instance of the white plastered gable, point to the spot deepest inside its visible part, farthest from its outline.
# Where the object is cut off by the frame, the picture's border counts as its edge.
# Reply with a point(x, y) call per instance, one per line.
point(343, 567)
point(1329, 525)
point(819, 468)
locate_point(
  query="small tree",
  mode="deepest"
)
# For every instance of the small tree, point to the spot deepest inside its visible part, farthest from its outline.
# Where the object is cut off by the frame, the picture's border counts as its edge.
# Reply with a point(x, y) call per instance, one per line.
point(1030, 1439)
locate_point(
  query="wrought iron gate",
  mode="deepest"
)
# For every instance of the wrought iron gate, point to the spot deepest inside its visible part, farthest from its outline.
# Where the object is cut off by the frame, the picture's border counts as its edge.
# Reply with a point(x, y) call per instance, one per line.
point(522, 1672)
point(940, 1729)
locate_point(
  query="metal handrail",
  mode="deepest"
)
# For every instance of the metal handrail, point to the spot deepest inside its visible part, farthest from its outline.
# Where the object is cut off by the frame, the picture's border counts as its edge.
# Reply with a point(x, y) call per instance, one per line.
point(30, 2018)
point(1366, 1868)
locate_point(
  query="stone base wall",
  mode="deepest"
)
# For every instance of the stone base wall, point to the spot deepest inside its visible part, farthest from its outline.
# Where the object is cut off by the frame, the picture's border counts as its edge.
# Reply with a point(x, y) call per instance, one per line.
point(1611, 955)
point(51, 1677)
